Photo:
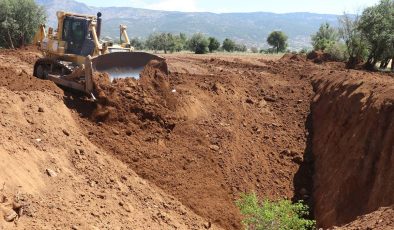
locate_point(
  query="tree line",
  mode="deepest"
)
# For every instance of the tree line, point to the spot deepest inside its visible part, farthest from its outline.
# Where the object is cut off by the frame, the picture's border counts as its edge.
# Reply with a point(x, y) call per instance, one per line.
point(201, 44)
point(367, 38)
point(197, 43)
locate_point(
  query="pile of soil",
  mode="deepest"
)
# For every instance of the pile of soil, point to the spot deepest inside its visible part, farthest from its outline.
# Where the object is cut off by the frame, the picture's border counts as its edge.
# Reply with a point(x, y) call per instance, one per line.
point(206, 138)
point(293, 57)
point(381, 219)
point(53, 177)
point(319, 57)
point(147, 103)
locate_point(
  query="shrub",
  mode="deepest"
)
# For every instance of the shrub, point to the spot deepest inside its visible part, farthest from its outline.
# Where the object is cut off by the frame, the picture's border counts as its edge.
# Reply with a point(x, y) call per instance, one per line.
point(324, 37)
point(268, 215)
point(337, 51)
point(198, 43)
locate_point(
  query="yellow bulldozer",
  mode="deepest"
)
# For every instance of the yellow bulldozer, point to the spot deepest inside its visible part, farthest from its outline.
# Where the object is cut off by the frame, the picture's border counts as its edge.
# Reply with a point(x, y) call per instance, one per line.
point(74, 51)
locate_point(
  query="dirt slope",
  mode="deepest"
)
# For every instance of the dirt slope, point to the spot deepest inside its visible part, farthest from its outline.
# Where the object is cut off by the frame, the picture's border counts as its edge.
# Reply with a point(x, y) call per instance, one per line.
point(236, 127)
point(57, 179)
point(382, 219)
point(176, 152)
point(353, 145)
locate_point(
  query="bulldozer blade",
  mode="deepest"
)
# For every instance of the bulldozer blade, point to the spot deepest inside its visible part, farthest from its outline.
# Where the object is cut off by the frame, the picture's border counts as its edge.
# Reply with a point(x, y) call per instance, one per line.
point(123, 64)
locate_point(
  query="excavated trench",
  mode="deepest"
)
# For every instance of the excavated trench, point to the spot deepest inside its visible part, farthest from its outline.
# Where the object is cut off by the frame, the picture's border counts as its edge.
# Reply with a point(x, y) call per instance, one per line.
point(218, 127)
point(342, 167)
point(352, 146)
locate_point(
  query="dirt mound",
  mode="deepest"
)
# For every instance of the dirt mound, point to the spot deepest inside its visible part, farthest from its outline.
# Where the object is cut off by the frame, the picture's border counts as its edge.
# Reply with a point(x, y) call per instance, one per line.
point(319, 57)
point(52, 176)
point(147, 102)
point(353, 136)
point(21, 80)
point(206, 138)
point(293, 57)
point(382, 219)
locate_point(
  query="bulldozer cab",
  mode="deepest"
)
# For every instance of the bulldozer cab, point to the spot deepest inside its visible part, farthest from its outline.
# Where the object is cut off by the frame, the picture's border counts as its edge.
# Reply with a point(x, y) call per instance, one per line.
point(76, 34)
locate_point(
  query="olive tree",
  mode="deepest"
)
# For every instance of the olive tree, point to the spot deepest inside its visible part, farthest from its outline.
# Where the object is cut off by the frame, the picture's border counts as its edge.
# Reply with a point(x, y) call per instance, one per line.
point(324, 37)
point(278, 40)
point(198, 43)
point(19, 20)
point(228, 45)
point(356, 45)
point(377, 26)
point(214, 44)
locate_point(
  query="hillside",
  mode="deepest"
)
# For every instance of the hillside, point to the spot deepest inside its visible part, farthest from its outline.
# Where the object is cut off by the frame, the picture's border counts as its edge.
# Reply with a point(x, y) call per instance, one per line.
point(248, 28)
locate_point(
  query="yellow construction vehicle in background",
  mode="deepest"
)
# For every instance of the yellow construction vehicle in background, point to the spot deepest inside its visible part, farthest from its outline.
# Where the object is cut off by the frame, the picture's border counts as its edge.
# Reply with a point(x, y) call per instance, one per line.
point(73, 52)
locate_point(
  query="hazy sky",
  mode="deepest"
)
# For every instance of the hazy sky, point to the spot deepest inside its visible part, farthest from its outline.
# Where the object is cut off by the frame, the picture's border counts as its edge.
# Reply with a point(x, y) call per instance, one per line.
point(220, 6)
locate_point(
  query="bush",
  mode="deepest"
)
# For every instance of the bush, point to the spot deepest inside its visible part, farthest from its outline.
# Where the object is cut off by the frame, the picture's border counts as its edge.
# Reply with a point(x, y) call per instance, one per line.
point(198, 43)
point(337, 51)
point(268, 215)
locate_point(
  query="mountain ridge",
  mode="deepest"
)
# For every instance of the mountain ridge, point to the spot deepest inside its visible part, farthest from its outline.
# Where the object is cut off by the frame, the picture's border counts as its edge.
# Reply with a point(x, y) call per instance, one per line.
point(251, 29)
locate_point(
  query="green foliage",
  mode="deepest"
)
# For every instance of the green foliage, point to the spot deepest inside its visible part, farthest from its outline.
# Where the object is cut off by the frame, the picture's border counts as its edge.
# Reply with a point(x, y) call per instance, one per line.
point(228, 45)
point(268, 215)
point(324, 37)
point(180, 43)
point(161, 41)
point(377, 27)
point(137, 43)
point(19, 20)
point(278, 40)
point(356, 45)
point(198, 43)
point(337, 51)
point(240, 48)
point(214, 44)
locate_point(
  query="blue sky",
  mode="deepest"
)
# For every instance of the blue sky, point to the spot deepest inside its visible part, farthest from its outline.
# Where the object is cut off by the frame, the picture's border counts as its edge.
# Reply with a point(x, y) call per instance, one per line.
point(221, 6)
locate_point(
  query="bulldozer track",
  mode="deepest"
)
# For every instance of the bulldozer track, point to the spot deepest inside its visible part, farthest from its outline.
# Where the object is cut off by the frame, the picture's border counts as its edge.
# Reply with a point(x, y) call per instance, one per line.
point(56, 67)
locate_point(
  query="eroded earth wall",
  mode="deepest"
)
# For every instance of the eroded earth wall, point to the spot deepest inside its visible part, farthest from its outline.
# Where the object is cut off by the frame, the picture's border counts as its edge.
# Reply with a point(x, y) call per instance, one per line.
point(353, 139)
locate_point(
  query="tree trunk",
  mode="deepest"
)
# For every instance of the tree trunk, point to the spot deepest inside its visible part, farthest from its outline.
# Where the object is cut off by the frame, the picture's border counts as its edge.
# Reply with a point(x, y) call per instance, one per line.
point(384, 63)
point(392, 64)
point(22, 41)
point(371, 62)
point(11, 44)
